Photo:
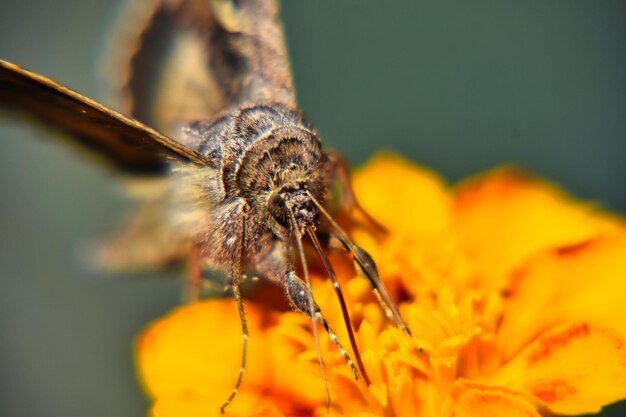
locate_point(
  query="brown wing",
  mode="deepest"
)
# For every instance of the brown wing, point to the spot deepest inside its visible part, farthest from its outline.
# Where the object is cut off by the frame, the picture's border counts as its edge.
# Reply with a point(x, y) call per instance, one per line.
point(175, 61)
point(111, 136)
point(186, 60)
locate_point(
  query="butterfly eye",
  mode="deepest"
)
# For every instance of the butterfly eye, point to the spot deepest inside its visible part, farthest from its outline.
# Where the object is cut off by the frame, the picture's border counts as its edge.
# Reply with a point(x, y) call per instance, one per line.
point(278, 209)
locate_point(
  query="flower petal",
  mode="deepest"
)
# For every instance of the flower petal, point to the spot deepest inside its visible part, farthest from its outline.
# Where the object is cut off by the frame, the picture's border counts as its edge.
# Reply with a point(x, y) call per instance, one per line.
point(580, 283)
point(505, 216)
point(493, 403)
point(197, 405)
point(350, 398)
point(574, 369)
point(196, 349)
point(402, 196)
point(290, 351)
point(478, 358)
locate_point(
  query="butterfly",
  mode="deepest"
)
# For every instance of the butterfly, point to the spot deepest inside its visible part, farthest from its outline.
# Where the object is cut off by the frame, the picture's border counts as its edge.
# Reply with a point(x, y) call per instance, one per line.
point(210, 109)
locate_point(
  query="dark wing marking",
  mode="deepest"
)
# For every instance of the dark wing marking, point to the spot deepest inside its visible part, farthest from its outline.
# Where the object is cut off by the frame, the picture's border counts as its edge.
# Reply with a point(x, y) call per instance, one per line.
point(156, 65)
point(176, 61)
point(125, 142)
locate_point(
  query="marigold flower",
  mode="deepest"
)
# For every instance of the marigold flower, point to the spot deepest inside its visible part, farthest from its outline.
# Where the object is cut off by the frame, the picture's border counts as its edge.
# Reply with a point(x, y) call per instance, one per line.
point(513, 291)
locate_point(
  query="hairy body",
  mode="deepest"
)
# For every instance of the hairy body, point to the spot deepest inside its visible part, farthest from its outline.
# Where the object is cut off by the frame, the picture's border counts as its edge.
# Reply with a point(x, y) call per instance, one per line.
point(266, 161)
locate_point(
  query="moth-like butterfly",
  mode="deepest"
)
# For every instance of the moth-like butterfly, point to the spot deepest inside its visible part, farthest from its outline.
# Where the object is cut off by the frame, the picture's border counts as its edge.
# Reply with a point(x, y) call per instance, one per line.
point(209, 105)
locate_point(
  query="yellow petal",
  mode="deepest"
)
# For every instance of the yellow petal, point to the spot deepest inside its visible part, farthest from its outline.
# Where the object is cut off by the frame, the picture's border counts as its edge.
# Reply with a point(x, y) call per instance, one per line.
point(479, 358)
point(203, 405)
point(350, 398)
point(196, 349)
point(505, 216)
point(402, 196)
point(581, 283)
point(573, 369)
point(398, 375)
point(493, 403)
point(290, 351)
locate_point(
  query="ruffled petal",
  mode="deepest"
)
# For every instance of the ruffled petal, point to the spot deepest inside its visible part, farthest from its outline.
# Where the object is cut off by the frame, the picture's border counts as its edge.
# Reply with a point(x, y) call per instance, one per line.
point(505, 216)
point(290, 350)
point(585, 282)
point(195, 352)
point(493, 403)
point(403, 197)
point(350, 398)
point(479, 358)
point(192, 404)
point(573, 369)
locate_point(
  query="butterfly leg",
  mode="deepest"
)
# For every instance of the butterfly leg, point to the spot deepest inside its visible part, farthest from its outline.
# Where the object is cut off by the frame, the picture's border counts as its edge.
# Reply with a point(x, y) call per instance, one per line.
point(244, 347)
point(233, 281)
point(193, 281)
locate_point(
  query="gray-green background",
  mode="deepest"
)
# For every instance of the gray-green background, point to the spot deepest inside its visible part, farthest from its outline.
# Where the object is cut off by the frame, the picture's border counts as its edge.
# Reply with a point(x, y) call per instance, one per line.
point(459, 86)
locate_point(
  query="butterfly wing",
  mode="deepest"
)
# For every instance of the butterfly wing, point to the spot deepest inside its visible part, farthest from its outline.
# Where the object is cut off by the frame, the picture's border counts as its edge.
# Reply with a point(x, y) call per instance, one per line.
point(176, 61)
point(186, 60)
point(110, 136)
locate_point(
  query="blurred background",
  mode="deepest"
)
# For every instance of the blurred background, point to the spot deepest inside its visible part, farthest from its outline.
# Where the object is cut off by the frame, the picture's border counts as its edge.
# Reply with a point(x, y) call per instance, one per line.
point(454, 85)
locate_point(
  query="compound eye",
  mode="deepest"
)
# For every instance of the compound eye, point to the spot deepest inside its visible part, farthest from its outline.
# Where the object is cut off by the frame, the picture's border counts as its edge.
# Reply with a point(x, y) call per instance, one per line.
point(278, 209)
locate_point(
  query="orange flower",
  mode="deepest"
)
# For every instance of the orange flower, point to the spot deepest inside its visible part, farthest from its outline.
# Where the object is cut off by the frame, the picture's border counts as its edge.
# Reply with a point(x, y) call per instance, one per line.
point(513, 291)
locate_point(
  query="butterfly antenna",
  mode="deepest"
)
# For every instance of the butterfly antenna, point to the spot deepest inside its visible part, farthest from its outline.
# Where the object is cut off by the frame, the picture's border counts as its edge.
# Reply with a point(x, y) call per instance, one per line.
point(368, 268)
point(233, 282)
point(311, 303)
point(342, 302)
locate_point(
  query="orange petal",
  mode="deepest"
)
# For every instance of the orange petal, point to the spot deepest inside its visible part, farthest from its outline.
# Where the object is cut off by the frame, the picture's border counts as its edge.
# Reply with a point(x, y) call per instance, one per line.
point(402, 196)
point(203, 405)
point(493, 403)
point(581, 283)
point(399, 379)
point(478, 358)
point(350, 398)
point(505, 216)
point(290, 352)
point(574, 369)
point(196, 349)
